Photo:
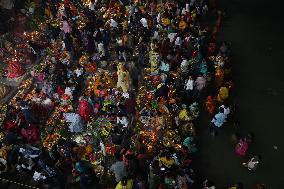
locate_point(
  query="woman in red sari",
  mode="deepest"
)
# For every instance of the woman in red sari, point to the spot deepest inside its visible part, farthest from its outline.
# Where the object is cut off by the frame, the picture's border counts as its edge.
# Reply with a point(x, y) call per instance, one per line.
point(85, 110)
point(15, 70)
point(31, 134)
point(210, 105)
point(13, 120)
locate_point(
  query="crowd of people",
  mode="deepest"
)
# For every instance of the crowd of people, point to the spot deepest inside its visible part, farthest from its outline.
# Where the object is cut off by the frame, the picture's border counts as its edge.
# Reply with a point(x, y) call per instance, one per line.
point(110, 92)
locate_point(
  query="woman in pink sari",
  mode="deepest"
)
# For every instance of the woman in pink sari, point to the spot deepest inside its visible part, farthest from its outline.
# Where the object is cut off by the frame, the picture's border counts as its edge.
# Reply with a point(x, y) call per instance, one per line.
point(242, 147)
point(65, 25)
point(85, 110)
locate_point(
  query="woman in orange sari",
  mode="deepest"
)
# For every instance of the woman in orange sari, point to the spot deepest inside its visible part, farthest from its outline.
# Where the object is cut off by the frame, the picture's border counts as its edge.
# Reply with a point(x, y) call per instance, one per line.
point(219, 76)
point(210, 105)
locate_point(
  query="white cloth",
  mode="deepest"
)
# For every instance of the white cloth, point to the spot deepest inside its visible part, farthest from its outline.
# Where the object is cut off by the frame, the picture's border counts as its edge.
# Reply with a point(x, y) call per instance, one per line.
point(123, 121)
point(184, 65)
point(156, 35)
point(47, 103)
point(200, 83)
point(183, 11)
point(119, 170)
point(144, 22)
point(252, 164)
point(101, 49)
point(178, 41)
point(79, 72)
point(113, 23)
point(103, 148)
point(159, 18)
point(68, 91)
point(172, 36)
point(38, 176)
point(92, 6)
point(187, 7)
point(163, 77)
point(226, 110)
point(119, 42)
point(75, 122)
point(189, 84)
point(125, 95)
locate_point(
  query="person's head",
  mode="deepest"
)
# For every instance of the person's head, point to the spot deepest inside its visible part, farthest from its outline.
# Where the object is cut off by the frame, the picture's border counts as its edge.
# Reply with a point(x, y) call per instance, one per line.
point(142, 150)
point(168, 156)
point(155, 164)
point(117, 156)
point(129, 155)
point(259, 157)
point(10, 116)
point(181, 172)
point(124, 181)
point(37, 91)
point(61, 142)
point(221, 110)
point(23, 104)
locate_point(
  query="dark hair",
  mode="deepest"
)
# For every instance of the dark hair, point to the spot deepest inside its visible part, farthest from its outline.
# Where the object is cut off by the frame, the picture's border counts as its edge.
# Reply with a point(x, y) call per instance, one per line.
point(2, 166)
point(117, 156)
point(124, 181)
point(61, 142)
point(142, 150)
point(168, 155)
point(37, 91)
point(155, 164)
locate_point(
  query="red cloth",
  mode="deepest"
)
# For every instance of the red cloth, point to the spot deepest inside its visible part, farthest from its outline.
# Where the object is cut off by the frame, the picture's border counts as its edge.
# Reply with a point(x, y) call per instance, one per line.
point(85, 110)
point(143, 160)
point(12, 124)
point(211, 49)
point(242, 147)
point(31, 134)
point(15, 70)
point(165, 48)
point(130, 106)
point(60, 90)
point(194, 54)
point(40, 111)
point(66, 2)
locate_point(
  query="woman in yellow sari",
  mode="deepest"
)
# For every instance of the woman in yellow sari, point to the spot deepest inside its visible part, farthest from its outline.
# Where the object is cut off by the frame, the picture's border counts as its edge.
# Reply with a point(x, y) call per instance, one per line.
point(223, 94)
